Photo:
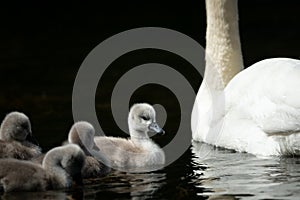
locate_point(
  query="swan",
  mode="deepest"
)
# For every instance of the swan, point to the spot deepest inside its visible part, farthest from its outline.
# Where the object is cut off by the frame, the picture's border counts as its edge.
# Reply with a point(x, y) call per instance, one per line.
point(255, 110)
point(139, 150)
point(60, 167)
point(82, 133)
point(16, 139)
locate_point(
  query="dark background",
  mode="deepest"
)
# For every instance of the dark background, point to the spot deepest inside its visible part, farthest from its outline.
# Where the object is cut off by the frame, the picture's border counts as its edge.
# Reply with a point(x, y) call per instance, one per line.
point(43, 43)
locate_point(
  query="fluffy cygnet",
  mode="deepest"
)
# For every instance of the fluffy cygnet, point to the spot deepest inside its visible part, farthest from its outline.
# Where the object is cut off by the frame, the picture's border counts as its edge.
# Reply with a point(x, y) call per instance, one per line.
point(16, 139)
point(82, 133)
point(60, 167)
point(139, 150)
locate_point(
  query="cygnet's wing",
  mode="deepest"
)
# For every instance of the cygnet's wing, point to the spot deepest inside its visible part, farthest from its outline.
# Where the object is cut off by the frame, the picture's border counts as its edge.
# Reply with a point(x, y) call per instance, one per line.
point(17, 150)
point(93, 168)
point(16, 175)
point(117, 150)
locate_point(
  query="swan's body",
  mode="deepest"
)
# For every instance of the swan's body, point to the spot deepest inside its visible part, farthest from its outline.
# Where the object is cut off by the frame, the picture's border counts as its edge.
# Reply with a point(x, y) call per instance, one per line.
point(61, 165)
point(139, 150)
point(258, 110)
point(82, 134)
point(16, 139)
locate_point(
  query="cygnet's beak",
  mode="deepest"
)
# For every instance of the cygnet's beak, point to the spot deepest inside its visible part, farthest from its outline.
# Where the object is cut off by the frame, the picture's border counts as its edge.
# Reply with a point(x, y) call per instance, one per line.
point(156, 128)
point(32, 139)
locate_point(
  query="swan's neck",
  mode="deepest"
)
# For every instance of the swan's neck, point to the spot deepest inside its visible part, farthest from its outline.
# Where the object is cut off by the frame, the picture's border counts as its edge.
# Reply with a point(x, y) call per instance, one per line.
point(223, 49)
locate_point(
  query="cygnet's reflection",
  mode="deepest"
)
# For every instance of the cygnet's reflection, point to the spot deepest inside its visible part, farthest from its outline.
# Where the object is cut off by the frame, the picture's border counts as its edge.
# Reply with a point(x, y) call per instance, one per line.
point(138, 185)
point(57, 195)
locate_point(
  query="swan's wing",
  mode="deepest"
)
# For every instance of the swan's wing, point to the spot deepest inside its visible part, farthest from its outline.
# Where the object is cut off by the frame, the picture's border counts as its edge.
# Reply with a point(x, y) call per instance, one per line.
point(268, 93)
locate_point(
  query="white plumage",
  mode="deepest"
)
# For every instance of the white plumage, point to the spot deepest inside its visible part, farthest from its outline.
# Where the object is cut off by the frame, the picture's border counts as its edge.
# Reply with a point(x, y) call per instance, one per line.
point(258, 110)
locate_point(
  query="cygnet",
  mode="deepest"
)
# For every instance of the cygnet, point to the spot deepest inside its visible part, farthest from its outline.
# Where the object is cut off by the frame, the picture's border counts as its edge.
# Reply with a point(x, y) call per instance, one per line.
point(61, 166)
point(138, 151)
point(82, 133)
point(16, 139)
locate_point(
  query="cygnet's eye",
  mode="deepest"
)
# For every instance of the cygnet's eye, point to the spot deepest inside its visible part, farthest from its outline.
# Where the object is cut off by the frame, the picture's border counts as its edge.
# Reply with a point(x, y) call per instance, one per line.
point(145, 118)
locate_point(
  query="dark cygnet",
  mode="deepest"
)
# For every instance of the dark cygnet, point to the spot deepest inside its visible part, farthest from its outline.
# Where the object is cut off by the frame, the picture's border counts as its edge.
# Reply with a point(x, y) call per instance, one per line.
point(16, 139)
point(82, 133)
point(61, 166)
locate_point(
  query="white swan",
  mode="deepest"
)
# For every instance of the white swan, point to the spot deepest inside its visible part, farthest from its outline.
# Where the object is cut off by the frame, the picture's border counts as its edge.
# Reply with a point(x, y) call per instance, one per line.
point(139, 150)
point(16, 139)
point(83, 133)
point(256, 110)
point(60, 167)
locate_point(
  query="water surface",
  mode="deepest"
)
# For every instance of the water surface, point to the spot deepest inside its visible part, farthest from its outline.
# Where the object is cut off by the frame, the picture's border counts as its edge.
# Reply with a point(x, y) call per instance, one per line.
point(203, 172)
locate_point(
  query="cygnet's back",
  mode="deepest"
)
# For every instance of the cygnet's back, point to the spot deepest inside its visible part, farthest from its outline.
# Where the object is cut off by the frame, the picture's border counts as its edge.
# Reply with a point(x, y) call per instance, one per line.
point(16, 139)
point(17, 175)
point(139, 150)
point(60, 167)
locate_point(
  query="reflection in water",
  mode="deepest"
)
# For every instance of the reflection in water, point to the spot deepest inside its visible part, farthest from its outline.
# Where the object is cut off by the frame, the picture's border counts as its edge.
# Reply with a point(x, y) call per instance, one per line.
point(58, 195)
point(118, 185)
point(227, 174)
point(125, 185)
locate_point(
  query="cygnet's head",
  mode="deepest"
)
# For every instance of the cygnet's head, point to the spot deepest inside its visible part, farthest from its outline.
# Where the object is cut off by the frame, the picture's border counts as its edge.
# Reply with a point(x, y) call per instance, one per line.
point(73, 159)
point(15, 126)
point(142, 119)
point(69, 157)
point(82, 133)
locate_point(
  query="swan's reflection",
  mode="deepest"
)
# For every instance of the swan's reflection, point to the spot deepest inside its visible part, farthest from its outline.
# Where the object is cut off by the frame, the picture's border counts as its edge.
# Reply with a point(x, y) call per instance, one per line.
point(227, 174)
